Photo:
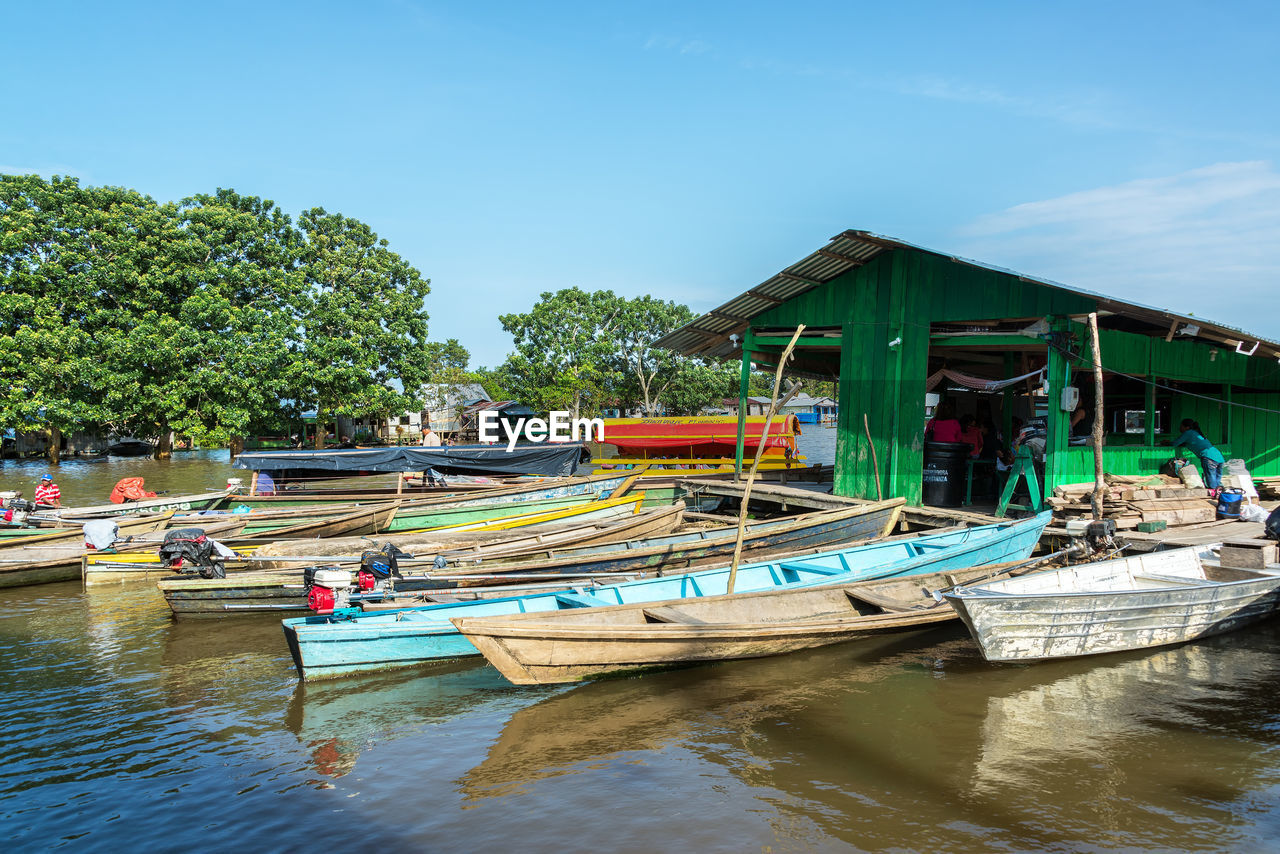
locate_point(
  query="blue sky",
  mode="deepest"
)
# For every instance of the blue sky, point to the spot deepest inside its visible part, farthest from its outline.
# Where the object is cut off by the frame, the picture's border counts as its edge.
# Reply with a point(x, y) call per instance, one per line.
point(690, 150)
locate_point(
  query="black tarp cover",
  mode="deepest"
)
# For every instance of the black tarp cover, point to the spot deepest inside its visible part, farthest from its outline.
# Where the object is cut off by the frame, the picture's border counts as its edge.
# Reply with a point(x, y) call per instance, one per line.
point(558, 459)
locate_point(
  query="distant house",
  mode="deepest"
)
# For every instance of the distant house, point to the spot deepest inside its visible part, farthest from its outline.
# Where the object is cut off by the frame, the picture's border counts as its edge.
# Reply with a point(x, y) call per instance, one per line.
point(809, 410)
point(509, 411)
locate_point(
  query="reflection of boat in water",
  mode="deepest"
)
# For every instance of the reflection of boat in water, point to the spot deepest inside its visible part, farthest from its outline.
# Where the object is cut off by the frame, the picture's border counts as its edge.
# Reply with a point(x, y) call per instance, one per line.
point(336, 721)
point(1097, 714)
point(875, 743)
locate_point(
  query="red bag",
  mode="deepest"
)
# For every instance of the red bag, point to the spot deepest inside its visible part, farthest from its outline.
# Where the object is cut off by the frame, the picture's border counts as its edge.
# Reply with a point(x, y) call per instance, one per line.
point(130, 489)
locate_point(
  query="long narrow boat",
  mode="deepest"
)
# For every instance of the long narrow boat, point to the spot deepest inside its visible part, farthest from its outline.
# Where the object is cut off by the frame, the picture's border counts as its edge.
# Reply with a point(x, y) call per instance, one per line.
point(1137, 602)
point(349, 642)
point(615, 561)
point(569, 647)
point(549, 488)
point(74, 531)
point(21, 564)
point(368, 519)
point(598, 509)
point(201, 501)
point(707, 546)
point(292, 555)
point(417, 518)
point(227, 529)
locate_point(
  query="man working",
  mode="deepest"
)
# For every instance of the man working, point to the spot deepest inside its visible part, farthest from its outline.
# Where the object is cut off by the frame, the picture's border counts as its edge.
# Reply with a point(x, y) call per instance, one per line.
point(47, 492)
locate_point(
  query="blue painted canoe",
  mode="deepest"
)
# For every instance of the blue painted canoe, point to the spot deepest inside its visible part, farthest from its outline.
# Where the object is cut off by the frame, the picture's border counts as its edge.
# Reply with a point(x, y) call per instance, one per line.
point(351, 642)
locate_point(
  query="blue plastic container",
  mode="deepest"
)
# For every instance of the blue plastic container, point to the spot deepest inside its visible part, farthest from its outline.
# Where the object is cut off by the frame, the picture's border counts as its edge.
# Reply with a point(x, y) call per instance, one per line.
point(1229, 501)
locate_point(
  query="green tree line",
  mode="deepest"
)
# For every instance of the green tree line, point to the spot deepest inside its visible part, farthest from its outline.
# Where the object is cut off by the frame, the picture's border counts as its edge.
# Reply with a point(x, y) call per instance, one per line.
point(217, 316)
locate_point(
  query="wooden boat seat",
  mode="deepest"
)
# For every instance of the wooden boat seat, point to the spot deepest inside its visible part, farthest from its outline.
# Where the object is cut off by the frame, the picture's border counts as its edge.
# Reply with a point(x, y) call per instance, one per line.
point(888, 604)
point(582, 600)
point(668, 614)
point(811, 567)
point(1171, 579)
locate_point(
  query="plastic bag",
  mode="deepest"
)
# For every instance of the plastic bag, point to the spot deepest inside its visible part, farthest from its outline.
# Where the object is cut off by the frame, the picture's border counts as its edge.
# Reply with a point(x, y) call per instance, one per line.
point(1252, 513)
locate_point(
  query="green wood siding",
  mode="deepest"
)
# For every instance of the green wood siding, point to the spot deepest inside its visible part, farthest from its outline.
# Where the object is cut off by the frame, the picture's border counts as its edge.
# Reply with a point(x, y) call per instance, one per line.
point(900, 294)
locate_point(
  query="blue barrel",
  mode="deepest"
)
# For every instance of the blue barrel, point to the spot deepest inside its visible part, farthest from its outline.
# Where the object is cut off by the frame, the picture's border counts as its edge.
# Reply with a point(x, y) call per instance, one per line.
point(1229, 501)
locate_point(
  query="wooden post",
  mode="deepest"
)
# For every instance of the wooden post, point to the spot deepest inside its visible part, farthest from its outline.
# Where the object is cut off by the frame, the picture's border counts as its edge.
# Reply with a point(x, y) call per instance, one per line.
point(399, 483)
point(774, 405)
point(875, 461)
point(253, 484)
point(743, 386)
point(1149, 431)
point(1099, 481)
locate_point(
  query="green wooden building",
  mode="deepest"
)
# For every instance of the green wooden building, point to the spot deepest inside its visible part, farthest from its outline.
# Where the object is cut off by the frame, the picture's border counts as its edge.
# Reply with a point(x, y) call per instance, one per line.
point(884, 316)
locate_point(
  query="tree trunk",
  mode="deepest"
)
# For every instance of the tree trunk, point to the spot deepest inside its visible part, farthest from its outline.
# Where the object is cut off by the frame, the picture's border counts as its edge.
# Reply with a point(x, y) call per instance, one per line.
point(55, 446)
point(164, 445)
point(319, 429)
point(236, 445)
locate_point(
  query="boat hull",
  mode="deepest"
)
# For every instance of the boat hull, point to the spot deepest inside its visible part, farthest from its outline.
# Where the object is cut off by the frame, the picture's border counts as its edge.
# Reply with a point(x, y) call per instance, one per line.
point(1057, 625)
point(330, 647)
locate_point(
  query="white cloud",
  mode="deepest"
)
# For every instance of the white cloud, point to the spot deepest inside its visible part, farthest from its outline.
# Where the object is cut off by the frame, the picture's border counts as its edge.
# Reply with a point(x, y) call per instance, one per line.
point(47, 171)
point(1205, 241)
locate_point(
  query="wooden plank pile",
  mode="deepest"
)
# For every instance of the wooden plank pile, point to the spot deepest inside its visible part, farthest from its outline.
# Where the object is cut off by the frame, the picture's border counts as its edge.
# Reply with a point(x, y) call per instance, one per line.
point(1146, 503)
point(1268, 488)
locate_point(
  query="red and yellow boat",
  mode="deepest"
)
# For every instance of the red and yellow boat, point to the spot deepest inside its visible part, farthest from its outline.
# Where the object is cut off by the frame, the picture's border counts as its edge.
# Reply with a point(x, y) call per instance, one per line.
point(698, 445)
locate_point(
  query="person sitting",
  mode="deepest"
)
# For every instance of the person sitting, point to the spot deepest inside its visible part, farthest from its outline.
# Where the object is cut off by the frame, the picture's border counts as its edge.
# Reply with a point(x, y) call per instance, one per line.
point(943, 426)
point(971, 433)
point(48, 493)
point(346, 442)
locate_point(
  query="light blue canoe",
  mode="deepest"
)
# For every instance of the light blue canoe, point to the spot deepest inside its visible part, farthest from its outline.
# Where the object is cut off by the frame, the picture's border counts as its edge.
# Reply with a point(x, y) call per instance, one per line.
point(351, 642)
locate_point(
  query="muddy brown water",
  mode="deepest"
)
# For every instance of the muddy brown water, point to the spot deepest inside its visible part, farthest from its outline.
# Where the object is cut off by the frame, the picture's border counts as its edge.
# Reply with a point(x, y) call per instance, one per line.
point(124, 728)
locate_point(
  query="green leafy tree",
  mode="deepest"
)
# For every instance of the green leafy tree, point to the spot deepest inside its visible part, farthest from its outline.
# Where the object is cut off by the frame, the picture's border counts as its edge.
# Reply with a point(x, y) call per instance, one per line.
point(565, 354)
point(362, 321)
point(54, 266)
point(646, 372)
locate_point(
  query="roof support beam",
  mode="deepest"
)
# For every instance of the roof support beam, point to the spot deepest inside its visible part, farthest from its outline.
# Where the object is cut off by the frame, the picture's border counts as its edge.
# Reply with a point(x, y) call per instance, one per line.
point(827, 253)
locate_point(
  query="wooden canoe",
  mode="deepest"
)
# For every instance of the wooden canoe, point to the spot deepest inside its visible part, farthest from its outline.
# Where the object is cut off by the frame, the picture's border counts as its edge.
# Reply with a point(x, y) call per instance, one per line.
point(1137, 602)
point(281, 589)
point(161, 504)
point(572, 645)
point(116, 568)
point(546, 488)
point(21, 564)
point(349, 642)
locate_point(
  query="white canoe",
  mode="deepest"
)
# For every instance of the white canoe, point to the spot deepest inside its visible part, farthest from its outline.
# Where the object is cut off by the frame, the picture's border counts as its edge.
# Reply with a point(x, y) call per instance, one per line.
point(1148, 600)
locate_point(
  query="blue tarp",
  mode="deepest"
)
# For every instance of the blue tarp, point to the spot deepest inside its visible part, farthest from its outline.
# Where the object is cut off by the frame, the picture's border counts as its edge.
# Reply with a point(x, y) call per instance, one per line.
point(558, 459)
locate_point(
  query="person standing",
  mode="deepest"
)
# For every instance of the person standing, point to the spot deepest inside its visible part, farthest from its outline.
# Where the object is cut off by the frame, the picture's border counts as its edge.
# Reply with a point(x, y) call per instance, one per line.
point(47, 492)
point(943, 426)
point(430, 439)
point(1211, 459)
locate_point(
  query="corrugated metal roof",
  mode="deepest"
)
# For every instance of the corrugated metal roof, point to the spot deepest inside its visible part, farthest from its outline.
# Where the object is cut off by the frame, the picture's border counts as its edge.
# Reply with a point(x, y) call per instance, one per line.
point(709, 334)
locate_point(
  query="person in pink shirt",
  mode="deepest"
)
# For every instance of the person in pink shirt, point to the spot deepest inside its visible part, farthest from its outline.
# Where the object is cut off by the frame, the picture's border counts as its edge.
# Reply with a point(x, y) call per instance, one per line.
point(970, 432)
point(943, 426)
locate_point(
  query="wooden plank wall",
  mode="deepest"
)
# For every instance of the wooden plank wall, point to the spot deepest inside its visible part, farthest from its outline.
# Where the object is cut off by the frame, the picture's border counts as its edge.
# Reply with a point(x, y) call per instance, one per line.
point(899, 294)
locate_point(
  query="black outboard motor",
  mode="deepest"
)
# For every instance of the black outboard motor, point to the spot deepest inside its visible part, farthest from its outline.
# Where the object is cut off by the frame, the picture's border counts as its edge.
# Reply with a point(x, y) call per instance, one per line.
point(189, 550)
point(15, 511)
point(1272, 525)
point(378, 566)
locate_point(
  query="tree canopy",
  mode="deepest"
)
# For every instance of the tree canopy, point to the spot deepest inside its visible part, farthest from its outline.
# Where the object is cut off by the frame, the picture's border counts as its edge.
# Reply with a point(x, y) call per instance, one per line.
point(215, 316)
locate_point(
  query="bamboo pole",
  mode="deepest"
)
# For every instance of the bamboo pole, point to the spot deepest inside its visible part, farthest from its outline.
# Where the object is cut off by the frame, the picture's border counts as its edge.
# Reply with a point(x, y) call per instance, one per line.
point(1099, 480)
point(774, 405)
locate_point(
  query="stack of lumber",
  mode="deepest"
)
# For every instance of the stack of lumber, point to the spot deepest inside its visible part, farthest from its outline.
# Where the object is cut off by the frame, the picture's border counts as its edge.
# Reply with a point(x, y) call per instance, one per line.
point(1268, 488)
point(1136, 502)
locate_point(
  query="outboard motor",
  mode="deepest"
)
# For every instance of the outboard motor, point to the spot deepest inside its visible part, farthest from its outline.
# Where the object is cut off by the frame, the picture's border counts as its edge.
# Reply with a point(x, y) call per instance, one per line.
point(16, 510)
point(378, 568)
point(328, 587)
point(1089, 538)
point(1272, 526)
point(189, 550)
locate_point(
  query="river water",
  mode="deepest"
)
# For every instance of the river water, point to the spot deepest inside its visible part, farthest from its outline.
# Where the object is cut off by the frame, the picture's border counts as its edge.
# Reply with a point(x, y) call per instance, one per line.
point(127, 729)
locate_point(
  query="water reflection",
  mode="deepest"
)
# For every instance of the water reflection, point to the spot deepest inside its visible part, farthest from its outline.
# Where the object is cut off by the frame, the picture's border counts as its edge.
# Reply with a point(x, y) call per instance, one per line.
point(917, 738)
point(337, 720)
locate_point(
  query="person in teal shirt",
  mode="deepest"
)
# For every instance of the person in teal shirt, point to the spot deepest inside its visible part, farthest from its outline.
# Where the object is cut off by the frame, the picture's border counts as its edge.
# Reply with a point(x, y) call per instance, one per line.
point(1211, 459)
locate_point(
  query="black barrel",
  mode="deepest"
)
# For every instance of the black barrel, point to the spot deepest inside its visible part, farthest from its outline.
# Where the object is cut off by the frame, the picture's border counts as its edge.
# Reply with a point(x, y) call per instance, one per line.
point(944, 472)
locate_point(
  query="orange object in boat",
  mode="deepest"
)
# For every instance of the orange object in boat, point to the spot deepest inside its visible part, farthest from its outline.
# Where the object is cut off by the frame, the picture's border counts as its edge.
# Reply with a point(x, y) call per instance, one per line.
point(130, 489)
